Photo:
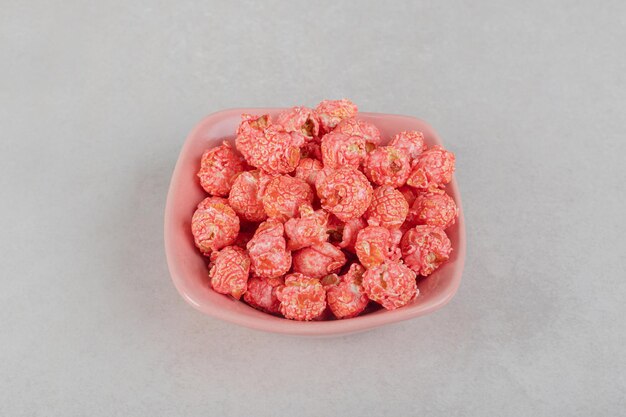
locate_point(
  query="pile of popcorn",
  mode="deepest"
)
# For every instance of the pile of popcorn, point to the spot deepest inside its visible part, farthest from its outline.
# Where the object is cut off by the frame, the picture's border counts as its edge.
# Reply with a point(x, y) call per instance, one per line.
point(311, 218)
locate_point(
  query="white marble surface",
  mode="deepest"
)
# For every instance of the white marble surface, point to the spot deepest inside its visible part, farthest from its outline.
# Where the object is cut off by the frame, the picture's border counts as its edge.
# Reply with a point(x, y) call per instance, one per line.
point(96, 99)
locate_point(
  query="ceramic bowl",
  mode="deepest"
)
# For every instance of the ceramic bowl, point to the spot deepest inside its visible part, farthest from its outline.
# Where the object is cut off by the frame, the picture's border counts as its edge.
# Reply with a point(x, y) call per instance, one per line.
point(188, 267)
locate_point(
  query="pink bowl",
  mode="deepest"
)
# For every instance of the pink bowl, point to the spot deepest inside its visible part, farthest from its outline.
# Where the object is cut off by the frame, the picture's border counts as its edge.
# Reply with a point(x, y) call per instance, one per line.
point(188, 267)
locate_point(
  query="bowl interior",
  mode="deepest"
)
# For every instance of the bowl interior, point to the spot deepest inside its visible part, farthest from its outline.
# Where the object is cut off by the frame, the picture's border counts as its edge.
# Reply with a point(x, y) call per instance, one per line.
point(188, 267)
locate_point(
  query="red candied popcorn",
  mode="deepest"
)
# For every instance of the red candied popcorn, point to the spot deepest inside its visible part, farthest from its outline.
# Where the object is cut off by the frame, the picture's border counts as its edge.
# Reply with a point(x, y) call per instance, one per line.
point(301, 120)
point(356, 127)
point(388, 208)
point(308, 169)
point(319, 260)
point(344, 234)
point(390, 284)
point(214, 225)
point(331, 112)
point(387, 166)
point(409, 142)
point(373, 245)
point(244, 197)
point(219, 167)
point(312, 194)
point(435, 209)
point(268, 252)
point(345, 192)
point(284, 194)
point(425, 248)
point(343, 151)
point(301, 298)
point(307, 230)
point(432, 169)
point(261, 294)
point(229, 271)
point(346, 298)
point(267, 146)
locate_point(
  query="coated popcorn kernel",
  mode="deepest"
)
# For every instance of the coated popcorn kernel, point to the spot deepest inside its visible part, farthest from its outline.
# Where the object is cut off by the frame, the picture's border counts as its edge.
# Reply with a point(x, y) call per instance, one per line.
point(331, 112)
point(301, 120)
point(345, 192)
point(214, 225)
point(267, 249)
point(388, 208)
point(267, 146)
point(435, 209)
point(373, 245)
point(284, 194)
point(343, 151)
point(244, 197)
point(301, 298)
point(390, 284)
point(219, 167)
point(409, 142)
point(319, 260)
point(308, 230)
point(308, 169)
point(261, 294)
point(229, 271)
point(432, 169)
point(387, 166)
point(425, 248)
point(356, 127)
point(345, 296)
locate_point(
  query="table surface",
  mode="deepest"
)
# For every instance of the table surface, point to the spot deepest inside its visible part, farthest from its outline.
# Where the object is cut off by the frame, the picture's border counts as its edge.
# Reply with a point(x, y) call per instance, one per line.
point(96, 99)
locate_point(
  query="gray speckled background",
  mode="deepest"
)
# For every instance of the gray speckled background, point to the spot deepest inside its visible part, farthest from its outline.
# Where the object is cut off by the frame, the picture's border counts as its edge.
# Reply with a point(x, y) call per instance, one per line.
point(96, 99)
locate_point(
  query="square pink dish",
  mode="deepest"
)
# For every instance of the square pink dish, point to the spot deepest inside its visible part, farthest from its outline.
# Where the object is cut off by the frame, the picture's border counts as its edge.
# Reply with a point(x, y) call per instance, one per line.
point(188, 267)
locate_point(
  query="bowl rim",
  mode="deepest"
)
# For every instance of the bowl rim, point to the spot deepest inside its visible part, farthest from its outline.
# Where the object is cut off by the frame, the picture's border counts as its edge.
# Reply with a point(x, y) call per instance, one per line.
point(301, 328)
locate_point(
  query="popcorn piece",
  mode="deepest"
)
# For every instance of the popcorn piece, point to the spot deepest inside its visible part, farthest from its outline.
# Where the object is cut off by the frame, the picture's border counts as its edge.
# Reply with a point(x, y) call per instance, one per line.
point(435, 209)
point(373, 245)
point(308, 169)
point(219, 167)
point(301, 120)
point(309, 229)
point(214, 225)
point(343, 151)
point(425, 248)
point(261, 294)
point(267, 249)
point(356, 127)
point(388, 208)
point(346, 297)
point(229, 271)
point(284, 194)
point(345, 192)
point(387, 166)
point(244, 197)
point(319, 260)
point(267, 146)
point(432, 169)
point(301, 298)
point(391, 284)
point(409, 142)
point(331, 112)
